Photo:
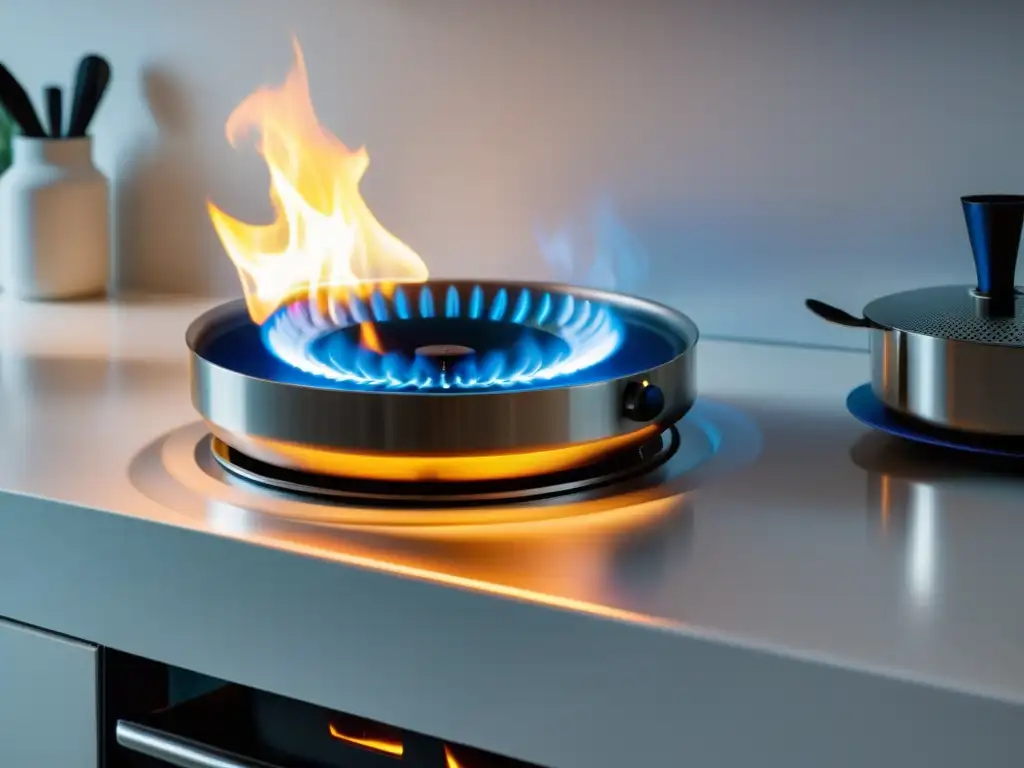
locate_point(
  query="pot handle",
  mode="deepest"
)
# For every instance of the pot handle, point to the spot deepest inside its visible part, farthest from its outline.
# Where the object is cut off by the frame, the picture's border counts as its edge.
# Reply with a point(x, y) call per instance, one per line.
point(836, 315)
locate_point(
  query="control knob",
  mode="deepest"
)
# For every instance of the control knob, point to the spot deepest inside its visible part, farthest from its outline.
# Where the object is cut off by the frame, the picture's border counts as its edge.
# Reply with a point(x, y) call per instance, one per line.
point(642, 401)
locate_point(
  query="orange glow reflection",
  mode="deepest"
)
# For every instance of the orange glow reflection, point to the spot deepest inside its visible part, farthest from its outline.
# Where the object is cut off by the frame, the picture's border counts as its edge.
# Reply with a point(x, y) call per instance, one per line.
point(886, 494)
point(395, 748)
point(390, 467)
point(449, 759)
point(479, 585)
point(323, 239)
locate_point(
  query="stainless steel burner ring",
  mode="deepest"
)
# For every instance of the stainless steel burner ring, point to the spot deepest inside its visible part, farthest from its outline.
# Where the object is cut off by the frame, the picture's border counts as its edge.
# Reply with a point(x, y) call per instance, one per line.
point(465, 435)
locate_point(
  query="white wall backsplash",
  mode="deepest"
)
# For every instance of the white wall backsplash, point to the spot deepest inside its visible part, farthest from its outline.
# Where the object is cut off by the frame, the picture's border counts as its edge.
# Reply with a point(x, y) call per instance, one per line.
point(755, 153)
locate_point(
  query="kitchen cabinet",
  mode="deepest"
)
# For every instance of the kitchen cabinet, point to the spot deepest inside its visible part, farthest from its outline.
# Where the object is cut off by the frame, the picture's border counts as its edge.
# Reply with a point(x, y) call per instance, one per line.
point(48, 699)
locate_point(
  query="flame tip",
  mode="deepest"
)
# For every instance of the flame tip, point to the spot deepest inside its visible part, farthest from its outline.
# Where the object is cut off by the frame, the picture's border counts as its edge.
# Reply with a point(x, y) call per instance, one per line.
point(323, 233)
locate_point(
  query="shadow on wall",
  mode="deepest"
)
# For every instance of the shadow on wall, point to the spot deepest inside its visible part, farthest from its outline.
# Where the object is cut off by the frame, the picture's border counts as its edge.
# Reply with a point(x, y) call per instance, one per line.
point(162, 229)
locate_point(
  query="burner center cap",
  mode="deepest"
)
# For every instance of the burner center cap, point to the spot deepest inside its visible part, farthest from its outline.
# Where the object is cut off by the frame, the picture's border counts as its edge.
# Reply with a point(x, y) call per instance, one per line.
point(444, 351)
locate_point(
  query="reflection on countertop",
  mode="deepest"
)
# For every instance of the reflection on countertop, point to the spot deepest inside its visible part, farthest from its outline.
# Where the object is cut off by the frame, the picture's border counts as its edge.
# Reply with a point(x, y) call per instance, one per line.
point(955, 519)
point(609, 550)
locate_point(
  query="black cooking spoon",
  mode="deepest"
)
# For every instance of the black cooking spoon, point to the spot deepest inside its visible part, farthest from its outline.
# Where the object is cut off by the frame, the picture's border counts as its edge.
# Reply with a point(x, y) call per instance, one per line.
point(91, 83)
point(18, 105)
point(55, 110)
point(837, 315)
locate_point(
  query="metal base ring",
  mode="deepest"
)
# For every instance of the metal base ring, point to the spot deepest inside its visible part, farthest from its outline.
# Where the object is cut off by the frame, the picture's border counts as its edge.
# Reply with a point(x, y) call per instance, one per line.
point(627, 464)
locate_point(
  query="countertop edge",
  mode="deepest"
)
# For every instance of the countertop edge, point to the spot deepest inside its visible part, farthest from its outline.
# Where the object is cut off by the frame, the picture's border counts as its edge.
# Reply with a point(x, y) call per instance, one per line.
point(541, 683)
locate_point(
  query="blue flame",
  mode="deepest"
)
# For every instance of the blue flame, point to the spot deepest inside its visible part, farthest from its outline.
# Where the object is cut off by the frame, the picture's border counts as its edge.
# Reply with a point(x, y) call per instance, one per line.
point(562, 335)
point(596, 249)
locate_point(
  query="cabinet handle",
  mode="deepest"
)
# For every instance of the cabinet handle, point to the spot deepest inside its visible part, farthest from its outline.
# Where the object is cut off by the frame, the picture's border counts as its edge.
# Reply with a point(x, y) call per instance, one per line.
point(178, 751)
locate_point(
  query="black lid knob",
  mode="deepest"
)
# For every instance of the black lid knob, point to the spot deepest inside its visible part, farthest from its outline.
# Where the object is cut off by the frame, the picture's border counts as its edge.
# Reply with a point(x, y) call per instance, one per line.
point(994, 227)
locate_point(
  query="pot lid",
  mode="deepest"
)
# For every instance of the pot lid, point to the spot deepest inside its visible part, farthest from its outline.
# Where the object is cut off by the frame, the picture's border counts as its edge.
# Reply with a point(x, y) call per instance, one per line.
point(953, 312)
point(992, 312)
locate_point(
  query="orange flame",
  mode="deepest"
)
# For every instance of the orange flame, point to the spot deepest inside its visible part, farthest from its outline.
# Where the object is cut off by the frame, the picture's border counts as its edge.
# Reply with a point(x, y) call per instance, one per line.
point(395, 748)
point(449, 759)
point(324, 239)
point(369, 339)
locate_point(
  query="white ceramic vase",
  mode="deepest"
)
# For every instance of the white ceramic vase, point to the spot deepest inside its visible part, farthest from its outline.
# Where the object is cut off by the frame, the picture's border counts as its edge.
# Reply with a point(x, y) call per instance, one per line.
point(54, 221)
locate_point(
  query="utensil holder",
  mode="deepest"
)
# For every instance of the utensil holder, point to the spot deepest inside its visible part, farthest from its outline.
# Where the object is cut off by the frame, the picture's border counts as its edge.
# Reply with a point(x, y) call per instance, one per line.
point(54, 221)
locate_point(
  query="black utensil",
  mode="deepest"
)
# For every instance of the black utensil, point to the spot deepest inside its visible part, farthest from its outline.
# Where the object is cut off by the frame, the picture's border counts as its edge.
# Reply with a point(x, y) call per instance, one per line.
point(82, 80)
point(837, 315)
point(99, 88)
point(19, 105)
point(91, 83)
point(54, 110)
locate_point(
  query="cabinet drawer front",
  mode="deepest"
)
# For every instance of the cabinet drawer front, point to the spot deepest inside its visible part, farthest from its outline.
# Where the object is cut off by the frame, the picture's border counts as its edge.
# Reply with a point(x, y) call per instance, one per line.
point(48, 699)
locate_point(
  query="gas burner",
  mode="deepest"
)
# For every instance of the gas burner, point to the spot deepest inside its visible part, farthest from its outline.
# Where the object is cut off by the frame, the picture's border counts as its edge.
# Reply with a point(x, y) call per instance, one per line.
point(440, 337)
point(625, 465)
point(470, 382)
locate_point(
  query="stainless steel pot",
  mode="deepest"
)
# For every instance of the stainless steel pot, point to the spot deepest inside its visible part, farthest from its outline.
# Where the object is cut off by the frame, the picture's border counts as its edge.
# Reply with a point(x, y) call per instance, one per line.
point(953, 356)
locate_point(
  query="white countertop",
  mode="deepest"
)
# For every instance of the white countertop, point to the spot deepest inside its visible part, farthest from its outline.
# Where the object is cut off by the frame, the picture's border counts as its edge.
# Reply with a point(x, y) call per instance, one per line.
point(831, 546)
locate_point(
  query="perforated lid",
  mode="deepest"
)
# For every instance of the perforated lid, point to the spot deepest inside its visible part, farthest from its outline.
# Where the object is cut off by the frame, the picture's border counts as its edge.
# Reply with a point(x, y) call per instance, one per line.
point(948, 312)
